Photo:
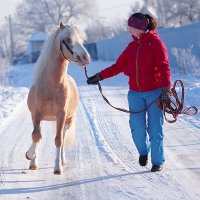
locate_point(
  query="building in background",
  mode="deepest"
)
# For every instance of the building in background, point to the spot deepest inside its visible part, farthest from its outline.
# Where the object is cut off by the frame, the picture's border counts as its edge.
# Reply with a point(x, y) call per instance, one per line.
point(36, 42)
point(34, 47)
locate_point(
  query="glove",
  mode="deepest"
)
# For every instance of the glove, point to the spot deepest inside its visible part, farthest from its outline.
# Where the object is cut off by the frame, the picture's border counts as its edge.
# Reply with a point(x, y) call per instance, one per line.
point(165, 96)
point(93, 80)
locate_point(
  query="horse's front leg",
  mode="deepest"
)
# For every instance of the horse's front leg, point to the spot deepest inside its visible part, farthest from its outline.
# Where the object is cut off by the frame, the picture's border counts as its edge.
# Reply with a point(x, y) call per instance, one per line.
point(63, 158)
point(32, 153)
point(59, 143)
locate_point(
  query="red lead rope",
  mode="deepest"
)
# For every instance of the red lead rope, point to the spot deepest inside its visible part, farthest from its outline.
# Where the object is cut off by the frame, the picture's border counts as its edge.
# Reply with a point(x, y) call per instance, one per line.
point(174, 107)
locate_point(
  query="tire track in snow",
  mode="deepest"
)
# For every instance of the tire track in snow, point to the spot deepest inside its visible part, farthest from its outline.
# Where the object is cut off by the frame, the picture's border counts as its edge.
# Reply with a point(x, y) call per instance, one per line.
point(112, 145)
point(88, 154)
point(95, 131)
point(111, 133)
point(7, 151)
point(104, 120)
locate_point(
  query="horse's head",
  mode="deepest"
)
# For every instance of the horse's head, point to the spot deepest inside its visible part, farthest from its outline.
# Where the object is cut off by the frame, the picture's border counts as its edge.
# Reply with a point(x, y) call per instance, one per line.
point(71, 44)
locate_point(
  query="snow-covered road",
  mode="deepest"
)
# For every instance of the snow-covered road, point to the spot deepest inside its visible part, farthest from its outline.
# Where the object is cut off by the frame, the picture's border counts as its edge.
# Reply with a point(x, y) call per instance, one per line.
point(103, 165)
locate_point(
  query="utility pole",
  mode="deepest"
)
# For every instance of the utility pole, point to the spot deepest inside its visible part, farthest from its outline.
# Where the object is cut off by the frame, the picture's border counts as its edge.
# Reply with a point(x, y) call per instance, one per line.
point(11, 40)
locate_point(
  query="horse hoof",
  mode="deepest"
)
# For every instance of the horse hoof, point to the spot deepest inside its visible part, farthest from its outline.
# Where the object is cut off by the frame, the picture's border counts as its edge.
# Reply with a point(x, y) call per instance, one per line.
point(33, 167)
point(27, 157)
point(57, 172)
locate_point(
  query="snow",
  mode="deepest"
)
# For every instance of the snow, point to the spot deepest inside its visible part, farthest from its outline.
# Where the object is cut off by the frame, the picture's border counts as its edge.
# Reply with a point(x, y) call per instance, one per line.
point(104, 162)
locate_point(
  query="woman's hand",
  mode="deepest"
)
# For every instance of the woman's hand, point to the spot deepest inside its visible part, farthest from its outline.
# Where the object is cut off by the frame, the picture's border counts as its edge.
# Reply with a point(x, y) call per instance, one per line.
point(165, 96)
point(93, 80)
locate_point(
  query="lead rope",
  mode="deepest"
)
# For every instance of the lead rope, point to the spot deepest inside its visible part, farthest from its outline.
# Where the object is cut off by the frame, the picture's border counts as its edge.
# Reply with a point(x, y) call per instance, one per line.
point(173, 108)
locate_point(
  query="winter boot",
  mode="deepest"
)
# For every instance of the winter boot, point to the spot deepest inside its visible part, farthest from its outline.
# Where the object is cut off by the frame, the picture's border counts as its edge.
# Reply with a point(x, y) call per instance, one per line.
point(143, 160)
point(156, 168)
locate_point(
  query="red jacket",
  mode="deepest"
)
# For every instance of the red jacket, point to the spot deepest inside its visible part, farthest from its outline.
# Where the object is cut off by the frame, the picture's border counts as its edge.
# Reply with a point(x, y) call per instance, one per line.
point(145, 62)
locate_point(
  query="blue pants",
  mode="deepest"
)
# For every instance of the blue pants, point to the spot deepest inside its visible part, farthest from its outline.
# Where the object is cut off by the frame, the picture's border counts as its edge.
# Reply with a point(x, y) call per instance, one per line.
point(150, 121)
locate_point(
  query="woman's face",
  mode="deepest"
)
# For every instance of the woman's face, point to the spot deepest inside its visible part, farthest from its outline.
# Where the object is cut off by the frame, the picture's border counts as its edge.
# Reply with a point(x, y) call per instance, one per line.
point(135, 32)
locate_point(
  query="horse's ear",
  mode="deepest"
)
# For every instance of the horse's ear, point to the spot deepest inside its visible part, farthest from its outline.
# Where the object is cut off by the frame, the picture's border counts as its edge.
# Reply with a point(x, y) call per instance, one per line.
point(62, 25)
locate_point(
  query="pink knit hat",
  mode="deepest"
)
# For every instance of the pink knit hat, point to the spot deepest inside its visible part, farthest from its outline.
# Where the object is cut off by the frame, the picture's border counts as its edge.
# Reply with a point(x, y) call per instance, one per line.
point(138, 23)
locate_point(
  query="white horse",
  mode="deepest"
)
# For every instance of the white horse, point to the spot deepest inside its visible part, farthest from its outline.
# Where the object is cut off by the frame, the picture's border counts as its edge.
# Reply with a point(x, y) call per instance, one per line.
point(54, 95)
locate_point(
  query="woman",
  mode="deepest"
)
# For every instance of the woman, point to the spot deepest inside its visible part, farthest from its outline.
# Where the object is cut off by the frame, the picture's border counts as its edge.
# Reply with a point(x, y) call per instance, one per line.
point(145, 62)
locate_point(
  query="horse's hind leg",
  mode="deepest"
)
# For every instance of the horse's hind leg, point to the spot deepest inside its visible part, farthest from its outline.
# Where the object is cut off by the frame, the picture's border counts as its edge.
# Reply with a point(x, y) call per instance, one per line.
point(32, 153)
point(68, 137)
point(63, 159)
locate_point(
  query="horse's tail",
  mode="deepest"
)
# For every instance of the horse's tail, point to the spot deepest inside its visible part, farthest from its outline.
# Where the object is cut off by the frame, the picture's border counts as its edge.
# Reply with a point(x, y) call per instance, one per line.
point(70, 135)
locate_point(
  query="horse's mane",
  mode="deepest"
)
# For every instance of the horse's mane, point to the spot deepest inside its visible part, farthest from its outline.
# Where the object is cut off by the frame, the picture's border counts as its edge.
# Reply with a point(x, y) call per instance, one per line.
point(42, 61)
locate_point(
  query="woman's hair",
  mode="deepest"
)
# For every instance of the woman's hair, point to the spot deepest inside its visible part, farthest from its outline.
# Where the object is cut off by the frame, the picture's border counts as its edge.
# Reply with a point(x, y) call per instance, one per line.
point(152, 24)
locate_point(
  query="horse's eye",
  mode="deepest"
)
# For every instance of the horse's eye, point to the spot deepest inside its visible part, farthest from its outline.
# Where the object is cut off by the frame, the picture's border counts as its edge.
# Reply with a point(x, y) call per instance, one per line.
point(69, 40)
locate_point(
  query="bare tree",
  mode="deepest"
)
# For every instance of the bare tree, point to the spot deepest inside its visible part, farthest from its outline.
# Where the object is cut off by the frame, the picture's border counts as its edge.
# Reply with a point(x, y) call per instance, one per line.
point(4, 40)
point(159, 9)
point(135, 8)
point(99, 30)
point(44, 15)
point(33, 16)
point(184, 12)
point(5, 68)
point(173, 12)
